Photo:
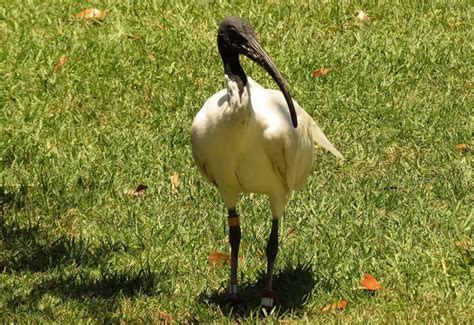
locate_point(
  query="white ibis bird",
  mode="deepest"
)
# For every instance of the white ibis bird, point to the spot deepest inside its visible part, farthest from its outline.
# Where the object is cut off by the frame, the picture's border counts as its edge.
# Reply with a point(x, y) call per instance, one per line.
point(248, 139)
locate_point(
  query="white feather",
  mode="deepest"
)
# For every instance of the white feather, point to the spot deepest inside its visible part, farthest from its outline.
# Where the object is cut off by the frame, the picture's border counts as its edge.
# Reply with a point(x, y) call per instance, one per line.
point(246, 143)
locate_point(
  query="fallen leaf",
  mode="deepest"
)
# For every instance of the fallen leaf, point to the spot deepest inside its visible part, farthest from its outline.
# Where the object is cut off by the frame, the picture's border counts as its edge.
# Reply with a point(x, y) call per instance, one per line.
point(328, 307)
point(320, 72)
point(362, 16)
point(370, 283)
point(463, 147)
point(165, 318)
point(391, 154)
point(151, 57)
point(341, 305)
point(259, 254)
point(148, 94)
point(92, 14)
point(463, 244)
point(134, 37)
point(49, 146)
point(62, 61)
point(174, 183)
point(291, 231)
point(217, 259)
point(137, 192)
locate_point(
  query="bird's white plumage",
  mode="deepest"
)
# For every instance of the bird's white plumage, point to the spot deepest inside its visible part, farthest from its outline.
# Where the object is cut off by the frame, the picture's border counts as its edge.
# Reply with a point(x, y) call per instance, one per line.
point(246, 143)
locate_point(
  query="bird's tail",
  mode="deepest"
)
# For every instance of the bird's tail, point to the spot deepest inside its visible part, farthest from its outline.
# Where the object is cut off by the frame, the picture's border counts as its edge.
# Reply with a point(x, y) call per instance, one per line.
point(320, 138)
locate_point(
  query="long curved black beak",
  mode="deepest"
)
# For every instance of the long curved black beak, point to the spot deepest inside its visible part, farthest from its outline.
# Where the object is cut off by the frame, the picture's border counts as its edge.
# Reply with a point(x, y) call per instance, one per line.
point(256, 53)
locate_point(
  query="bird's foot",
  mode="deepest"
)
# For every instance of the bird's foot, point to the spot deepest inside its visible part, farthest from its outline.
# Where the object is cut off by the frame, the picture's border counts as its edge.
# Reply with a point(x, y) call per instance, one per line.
point(233, 297)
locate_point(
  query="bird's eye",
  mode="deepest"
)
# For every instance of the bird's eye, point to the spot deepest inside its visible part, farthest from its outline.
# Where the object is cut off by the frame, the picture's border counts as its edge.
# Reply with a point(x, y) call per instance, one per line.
point(236, 37)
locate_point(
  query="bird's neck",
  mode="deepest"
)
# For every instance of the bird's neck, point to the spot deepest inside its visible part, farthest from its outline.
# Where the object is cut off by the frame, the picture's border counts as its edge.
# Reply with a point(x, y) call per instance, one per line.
point(238, 92)
point(238, 97)
point(234, 71)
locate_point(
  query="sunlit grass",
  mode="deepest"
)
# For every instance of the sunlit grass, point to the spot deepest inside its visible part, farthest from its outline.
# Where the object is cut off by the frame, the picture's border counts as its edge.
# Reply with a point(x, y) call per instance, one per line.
point(396, 103)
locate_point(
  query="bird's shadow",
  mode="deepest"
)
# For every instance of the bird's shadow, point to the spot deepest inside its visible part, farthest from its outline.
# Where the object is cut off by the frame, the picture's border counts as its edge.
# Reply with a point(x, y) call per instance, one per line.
point(68, 267)
point(293, 286)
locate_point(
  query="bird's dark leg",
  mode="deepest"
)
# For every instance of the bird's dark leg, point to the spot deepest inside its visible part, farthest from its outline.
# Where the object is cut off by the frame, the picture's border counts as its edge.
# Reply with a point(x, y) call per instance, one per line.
point(272, 251)
point(234, 240)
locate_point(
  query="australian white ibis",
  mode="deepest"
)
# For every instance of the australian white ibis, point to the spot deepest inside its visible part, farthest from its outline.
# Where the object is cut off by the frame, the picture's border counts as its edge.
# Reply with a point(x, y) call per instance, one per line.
point(248, 139)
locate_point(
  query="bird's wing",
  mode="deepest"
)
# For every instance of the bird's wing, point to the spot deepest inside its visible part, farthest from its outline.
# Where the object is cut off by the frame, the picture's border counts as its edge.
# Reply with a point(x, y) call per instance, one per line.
point(290, 150)
point(291, 153)
point(286, 147)
point(319, 137)
point(275, 150)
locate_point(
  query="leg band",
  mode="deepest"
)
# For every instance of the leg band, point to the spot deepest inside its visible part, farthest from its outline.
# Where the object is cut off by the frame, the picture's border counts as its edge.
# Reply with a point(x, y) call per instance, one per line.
point(233, 221)
point(267, 298)
point(267, 302)
point(268, 294)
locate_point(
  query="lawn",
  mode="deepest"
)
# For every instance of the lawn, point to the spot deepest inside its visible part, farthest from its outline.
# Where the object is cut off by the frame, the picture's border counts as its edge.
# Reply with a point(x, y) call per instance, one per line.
point(77, 135)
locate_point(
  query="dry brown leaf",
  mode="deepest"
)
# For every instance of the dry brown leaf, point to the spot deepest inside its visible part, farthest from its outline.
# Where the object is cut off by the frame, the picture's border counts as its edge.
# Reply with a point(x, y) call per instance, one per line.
point(463, 244)
point(148, 94)
point(217, 259)
point(291, 232)
point(49, 146)
point(92, 14)
point(328, 307)
point(165, 318)
point(151, 57)
point(62, 61)
point(174, 182)
point(285, 322)
point(134, 37)
point(370, 283)
point(137, 192)
point(362, 16)
point(321, 72)
point(340, 305)
point(391, 154)
point(463, 147)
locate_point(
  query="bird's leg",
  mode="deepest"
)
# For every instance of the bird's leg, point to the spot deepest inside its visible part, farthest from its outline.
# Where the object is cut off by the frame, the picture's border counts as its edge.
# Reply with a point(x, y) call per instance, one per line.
point(234, 240)
point(272, 250)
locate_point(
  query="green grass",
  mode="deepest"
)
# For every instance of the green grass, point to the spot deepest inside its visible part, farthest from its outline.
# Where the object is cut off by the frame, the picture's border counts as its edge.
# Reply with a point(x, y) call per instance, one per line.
point(396, 103)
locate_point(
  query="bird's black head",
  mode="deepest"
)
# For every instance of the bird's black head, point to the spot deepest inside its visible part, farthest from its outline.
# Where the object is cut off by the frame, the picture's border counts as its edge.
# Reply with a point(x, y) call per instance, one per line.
point(237, 37)
point(234, 36)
